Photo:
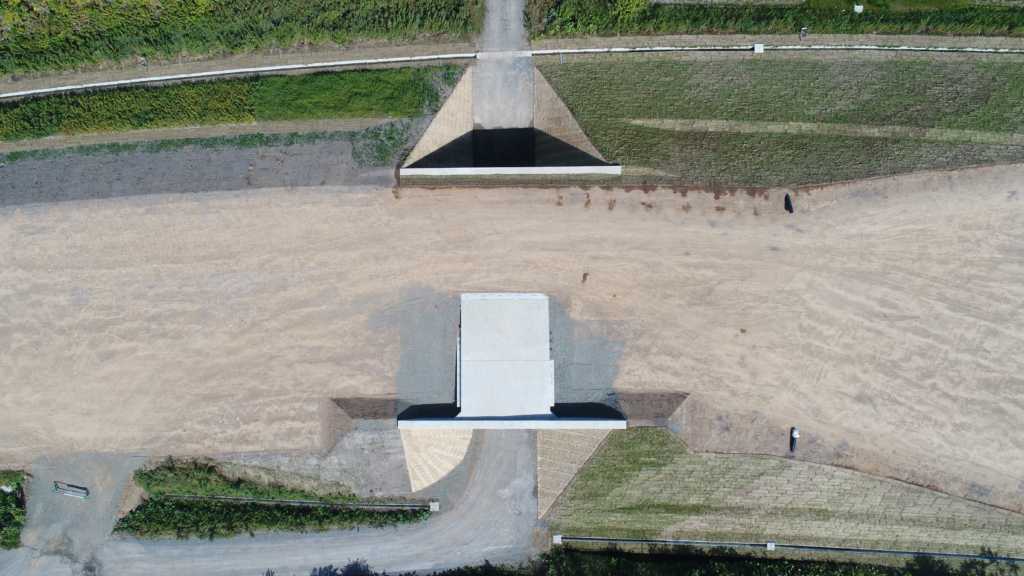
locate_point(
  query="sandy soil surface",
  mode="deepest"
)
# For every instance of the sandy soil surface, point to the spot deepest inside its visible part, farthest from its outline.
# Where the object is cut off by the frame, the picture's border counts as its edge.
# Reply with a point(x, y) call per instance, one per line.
point(882, 318)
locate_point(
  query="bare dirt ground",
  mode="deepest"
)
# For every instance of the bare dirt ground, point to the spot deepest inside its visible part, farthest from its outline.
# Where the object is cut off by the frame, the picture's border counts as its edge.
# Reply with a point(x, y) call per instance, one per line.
point(882, 318)
point(68, 527)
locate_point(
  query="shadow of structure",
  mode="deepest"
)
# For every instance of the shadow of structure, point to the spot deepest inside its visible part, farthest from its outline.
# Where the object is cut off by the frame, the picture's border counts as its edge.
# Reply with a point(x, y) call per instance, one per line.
point(507, 148)
point(553, 139)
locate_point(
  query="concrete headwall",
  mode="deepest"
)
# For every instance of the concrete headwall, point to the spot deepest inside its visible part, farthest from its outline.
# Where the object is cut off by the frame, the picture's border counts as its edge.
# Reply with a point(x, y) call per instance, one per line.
point(555, 128)
point(448, 140)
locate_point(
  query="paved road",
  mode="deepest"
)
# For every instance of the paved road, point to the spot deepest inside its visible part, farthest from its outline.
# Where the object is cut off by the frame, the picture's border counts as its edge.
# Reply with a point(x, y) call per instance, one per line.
point(493, 521)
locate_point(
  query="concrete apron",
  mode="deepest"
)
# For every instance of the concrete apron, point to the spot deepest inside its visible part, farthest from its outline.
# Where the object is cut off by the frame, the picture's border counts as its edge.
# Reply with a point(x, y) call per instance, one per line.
point(503, 91)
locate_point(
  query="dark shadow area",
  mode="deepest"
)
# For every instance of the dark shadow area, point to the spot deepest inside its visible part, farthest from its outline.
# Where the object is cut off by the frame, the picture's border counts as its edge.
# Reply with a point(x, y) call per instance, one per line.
point(586, 410)
point(789, 204)
point(456, 154)
point(425, 324)
point(650, 408)
point(671, 560)
point(506, 148)
point(430, 411)
point(503, 148)
point(586, 360)
point(550, 151)
point(367, 408)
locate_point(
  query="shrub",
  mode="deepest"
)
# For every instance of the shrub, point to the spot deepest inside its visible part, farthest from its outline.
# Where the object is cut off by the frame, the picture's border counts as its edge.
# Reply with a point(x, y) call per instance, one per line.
point(203, 478)
point(12, 509)
point(205, 519)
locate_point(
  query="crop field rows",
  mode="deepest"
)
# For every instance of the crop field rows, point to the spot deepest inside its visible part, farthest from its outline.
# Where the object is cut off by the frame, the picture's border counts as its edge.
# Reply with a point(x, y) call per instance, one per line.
point(46, 34)
point(656, 115)
point(561, 18)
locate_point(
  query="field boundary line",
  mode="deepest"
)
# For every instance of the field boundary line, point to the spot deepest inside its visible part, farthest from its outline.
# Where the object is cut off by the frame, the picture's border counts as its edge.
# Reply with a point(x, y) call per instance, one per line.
point(297, 502)
point(236, 72)
point(559, 539)
point(470, 56)
point(750, 48)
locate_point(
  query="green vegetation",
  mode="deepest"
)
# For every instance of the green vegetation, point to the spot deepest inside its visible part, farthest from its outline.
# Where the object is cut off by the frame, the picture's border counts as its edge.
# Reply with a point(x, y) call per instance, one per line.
point(12, 508)
point(927, 113)
point(376, 146)
point(575, 17)
point(333, 95)
point(47, 34)
point(205, 519)
point(644, 483)
point(204, 478)
point(157, 146)
point(567, 562)
point(161, 516)
point(184, 519)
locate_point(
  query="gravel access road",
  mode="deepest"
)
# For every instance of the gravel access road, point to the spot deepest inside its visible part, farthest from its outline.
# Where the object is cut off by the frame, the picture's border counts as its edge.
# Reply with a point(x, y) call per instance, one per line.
point(493, 521)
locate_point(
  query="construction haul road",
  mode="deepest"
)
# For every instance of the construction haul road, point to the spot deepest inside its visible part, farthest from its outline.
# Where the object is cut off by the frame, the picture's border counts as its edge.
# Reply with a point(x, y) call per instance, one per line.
point(883, 318)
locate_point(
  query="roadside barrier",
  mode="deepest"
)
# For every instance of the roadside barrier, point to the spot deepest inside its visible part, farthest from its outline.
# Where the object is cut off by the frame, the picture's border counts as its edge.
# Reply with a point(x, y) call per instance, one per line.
point(559, 539)
point(441, 57)
point(431, 506)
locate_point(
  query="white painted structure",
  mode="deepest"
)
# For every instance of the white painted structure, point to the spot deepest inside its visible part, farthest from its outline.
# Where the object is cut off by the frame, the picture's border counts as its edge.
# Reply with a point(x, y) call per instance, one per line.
point(505, 376)
point(505, 366)
point(514, 170)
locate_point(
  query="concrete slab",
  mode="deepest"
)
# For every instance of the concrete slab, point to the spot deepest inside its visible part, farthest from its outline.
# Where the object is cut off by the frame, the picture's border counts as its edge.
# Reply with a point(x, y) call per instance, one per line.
point(507, 388)
point(505, 327)
point(505, 366)
point(503, 92)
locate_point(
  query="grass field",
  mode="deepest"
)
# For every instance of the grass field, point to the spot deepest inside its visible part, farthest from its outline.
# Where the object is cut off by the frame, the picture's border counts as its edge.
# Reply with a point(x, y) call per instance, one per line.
point(560, 18)
point(645, 483)
point(47, 34)
point(728, 120)
point(399, 93)
point(12, 508)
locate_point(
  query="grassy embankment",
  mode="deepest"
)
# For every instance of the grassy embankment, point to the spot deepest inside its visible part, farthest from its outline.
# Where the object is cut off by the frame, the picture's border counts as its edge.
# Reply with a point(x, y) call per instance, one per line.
point(554, 18)
point(644, 483)
point(401, 93)
point(12, 508)
point(160, 516)
point(51, 34)
point(856, 117)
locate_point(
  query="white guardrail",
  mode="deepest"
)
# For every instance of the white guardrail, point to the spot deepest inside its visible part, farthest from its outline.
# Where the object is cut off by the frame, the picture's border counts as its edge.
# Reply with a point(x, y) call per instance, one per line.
point(441, 57)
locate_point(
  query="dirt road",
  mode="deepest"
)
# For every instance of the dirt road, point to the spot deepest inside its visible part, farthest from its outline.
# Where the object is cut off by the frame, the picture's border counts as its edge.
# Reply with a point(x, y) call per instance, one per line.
point(493, 521)
point(883, 318)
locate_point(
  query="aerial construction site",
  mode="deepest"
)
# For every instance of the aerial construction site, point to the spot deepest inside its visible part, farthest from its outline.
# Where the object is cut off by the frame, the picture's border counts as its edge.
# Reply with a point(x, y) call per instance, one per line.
point(517, 293)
